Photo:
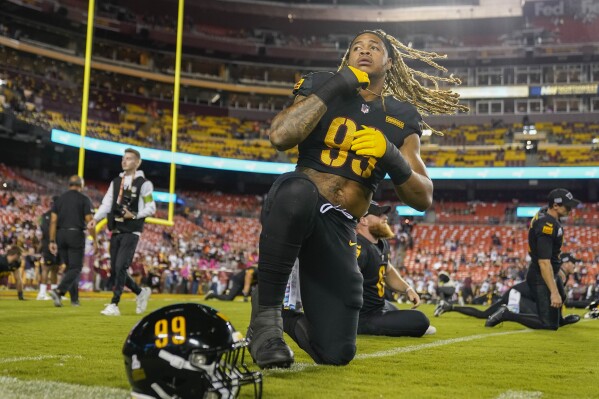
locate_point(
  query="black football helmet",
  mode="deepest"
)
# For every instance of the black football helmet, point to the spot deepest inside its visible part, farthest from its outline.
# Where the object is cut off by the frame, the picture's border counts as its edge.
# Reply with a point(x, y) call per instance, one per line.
point(593, 312)
point(186, 351)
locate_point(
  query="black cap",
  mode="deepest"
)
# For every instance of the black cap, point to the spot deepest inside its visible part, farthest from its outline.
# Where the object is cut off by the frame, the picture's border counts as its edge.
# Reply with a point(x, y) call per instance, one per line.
point(377, 210)
point(567, 257)
point(561, 196)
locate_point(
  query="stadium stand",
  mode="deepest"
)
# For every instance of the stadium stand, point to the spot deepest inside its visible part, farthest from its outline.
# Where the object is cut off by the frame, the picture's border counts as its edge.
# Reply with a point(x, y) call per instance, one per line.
point(236, 78)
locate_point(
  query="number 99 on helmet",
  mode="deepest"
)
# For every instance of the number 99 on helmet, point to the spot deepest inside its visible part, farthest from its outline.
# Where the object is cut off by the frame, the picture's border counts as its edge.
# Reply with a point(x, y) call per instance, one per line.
point(186, 351)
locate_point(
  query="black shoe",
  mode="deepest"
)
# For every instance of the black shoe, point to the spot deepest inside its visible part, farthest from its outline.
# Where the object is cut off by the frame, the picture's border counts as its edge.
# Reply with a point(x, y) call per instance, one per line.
point(209, 295)
point(496, 317)
point(442, 307)
point(273, 353)
point(56, 298)
point(570, 319)
point(265, 337)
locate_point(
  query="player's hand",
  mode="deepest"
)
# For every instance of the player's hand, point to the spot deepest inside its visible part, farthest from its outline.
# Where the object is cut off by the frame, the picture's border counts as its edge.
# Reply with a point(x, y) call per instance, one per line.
point(92, 224)
point(369, 142)
point(346, 82)
point(373, 143)
point(354, 77)
point(556, 300)
point(413, 297)
point(53, 248)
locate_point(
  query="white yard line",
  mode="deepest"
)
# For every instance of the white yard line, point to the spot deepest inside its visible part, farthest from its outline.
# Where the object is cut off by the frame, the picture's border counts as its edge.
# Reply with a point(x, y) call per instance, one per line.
point(37, 358)
point(404, 349)
point(520, 395)
point(13, 388)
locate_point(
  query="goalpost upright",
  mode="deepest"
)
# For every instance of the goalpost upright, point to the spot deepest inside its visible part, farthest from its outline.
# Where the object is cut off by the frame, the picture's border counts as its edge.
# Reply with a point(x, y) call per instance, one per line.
point(175, 126)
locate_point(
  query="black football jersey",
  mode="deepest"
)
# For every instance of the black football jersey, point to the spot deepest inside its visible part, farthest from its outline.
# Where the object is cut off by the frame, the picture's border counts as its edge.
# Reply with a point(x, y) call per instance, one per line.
point(7, 268)
point(545, 237)
point(327, 148)
point(372, 261)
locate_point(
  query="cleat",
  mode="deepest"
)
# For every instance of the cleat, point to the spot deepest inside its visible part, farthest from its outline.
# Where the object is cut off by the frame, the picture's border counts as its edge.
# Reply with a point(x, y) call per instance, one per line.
point(265, 337)
point(111, 310)
point(442, 307)
point(75, 303)
point(570, 319)
point(142, 300)
point(496, 317)
point(273, 353)
point(56, 298)
point(209, 295)
point(431, 330)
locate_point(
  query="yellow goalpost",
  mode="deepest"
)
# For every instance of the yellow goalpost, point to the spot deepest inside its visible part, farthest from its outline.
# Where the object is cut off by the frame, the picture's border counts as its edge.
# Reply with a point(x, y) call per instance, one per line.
point(175, 127)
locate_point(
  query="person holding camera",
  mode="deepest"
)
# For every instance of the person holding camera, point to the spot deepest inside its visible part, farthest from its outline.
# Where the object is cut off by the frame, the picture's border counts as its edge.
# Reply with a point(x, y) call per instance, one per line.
point(126, 204)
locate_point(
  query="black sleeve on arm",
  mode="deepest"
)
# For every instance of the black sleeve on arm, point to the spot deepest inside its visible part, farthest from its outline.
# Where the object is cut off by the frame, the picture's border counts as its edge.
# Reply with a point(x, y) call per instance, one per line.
point(413, 120)
point(310, 82)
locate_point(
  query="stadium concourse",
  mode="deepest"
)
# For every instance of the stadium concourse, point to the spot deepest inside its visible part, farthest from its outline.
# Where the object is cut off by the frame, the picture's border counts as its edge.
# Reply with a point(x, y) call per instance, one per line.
point(215, 235)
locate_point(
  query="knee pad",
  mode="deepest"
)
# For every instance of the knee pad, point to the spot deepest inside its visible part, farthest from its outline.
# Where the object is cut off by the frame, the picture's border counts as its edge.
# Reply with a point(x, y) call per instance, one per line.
point(340, 355)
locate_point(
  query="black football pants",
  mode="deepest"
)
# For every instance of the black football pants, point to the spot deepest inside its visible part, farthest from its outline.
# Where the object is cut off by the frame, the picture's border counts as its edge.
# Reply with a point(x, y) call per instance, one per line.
point(298, 223)
point(71, 248)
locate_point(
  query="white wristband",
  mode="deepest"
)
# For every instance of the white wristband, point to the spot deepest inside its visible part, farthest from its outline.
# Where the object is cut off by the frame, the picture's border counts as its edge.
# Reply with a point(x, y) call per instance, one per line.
point(409, 288)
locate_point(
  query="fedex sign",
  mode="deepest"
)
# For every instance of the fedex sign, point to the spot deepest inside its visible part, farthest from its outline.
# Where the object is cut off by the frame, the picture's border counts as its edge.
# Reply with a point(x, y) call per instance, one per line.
point(549, 9)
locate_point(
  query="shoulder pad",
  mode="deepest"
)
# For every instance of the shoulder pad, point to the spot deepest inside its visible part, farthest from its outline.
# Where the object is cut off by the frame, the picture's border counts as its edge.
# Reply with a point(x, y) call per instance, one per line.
point(308, 83)
point(403, 115)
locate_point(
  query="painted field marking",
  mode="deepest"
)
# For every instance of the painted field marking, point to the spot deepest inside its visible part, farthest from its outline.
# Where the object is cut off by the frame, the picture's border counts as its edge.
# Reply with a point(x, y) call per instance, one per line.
point(520, 395)
point(37, 358)
point(13, 388)
point(296, 367)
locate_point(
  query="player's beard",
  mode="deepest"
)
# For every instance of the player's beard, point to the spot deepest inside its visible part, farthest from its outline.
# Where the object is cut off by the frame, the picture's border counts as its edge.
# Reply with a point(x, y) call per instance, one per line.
point(381, 230)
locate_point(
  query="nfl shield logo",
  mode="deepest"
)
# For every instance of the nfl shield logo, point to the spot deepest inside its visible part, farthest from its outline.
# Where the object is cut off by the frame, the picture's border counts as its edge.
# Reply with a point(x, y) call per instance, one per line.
point(365, 109)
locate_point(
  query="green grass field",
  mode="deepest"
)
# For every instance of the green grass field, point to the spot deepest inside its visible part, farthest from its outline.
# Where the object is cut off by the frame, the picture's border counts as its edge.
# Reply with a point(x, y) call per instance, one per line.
point(74, 352)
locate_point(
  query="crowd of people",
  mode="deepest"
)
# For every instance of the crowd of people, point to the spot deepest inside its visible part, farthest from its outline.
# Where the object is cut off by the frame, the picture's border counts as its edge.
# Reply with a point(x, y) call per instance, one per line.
point(219, 237)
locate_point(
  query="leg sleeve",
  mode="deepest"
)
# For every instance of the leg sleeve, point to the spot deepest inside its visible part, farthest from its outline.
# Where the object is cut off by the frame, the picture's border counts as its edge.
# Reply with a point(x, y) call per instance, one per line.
point(395, 323)
point(331, 286)
point(287, 217)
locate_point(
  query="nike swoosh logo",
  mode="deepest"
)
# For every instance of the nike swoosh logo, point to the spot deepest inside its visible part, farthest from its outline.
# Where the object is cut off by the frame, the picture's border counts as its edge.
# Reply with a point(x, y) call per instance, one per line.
point(351, 244)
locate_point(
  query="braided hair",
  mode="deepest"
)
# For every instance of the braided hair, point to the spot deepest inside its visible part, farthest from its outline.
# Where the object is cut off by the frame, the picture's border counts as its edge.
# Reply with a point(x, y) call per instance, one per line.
point(401, 82)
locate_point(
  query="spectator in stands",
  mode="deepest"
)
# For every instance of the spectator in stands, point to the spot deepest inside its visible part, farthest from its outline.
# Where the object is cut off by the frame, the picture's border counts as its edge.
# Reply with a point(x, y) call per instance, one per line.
point(126, 204)
point(377, 316)
point(50, 262)
point(240, 283)
point(545, 237)
point(350, 127)
point(518, 299)
point(12, 262)
point(70, 214)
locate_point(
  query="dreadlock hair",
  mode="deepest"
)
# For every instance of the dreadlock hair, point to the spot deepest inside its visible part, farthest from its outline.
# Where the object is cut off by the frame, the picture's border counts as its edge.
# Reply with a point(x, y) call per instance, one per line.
point(401, 81)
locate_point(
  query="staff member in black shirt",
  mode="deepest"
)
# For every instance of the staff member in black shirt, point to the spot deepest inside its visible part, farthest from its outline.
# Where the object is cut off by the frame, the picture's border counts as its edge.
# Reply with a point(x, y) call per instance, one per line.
point(127, 203)
point(545, 237)
point(70, 214)
point(12, 263)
